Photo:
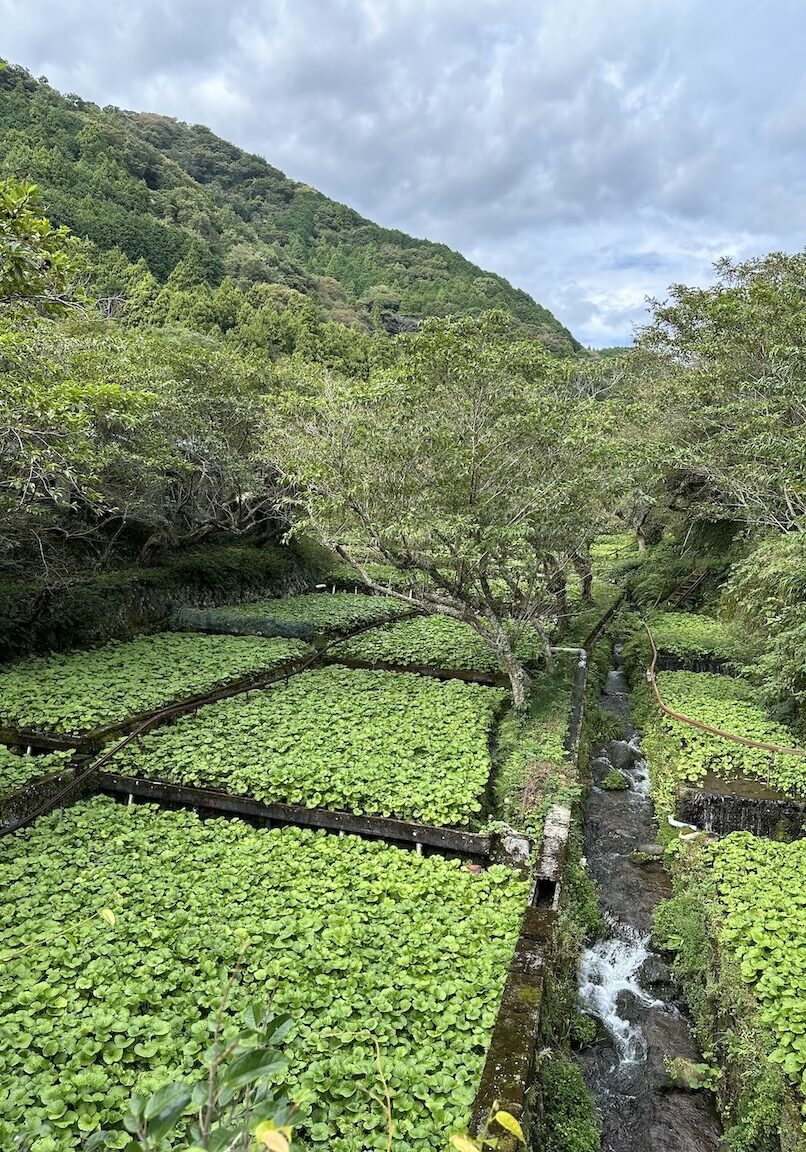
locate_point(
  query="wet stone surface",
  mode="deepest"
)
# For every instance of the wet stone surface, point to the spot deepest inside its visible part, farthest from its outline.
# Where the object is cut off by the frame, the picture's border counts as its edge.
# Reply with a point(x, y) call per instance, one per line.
point(621, 981)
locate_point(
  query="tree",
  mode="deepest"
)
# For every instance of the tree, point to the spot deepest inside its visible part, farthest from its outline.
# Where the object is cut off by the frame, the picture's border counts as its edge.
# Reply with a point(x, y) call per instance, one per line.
point(720, 393)
point(193, 461)
point(49, 455)
point(469, 464)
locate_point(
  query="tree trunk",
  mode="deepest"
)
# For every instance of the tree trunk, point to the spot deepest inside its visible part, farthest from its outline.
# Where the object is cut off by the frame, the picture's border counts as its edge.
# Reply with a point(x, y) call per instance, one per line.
point(584, 569)
point(519, 680)
point(557, 583)
point(164, 539)
point(546, 642)
point(496, 636)
point(638, 525)
point(561, 599)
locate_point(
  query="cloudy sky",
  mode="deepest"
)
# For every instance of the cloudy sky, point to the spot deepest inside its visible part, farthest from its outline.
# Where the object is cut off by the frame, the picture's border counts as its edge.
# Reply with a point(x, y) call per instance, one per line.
point(591, 151)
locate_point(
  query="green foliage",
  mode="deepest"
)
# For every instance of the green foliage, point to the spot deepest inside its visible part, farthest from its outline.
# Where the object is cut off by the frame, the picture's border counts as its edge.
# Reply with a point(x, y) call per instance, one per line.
point(613, 553)
point(570, 1113)
point(370, 742)
point(727, 703)
point(489, 1135)
point(735, 927)
point(17, 770)
point(303, 615)
point(237, 1100)
point(195, 209)
point(680, 925)
point(345, 575)
point(615, 781)
point(587, 615)
point(584, 1029)
point(766, 593)
point(152, 439)
point(78, 691)
point(662, 571)
point(724, 394)
point(434, 641)
point(231, 572)
point(352, 939)
point(691, 635)
point(582, 911)
point(601, 724)
point(696, 557)
point(471, 464)
point(690, 1076)
point(57, 436)
point(534, 769)
point(91, 608)
point(759, 884)
point(36, 267)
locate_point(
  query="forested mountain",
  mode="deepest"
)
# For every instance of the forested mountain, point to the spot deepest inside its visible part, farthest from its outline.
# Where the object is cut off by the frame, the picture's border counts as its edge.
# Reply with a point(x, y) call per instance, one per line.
point(160, 192)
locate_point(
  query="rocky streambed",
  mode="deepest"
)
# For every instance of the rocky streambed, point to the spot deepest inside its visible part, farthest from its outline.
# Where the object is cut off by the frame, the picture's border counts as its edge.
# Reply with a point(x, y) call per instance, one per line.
point(637, 1070)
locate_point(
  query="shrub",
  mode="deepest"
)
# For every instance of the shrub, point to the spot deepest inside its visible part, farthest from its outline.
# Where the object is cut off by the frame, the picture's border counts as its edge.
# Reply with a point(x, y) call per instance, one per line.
point(571, 1124)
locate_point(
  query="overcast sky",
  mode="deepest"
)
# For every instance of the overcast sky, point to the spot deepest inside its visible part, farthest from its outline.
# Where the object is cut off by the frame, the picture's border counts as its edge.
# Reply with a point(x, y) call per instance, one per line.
point(591, 151)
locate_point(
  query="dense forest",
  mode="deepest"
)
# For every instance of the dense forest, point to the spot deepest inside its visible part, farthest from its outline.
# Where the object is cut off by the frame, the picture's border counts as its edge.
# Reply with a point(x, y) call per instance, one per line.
point(308, 513)
point(165, 203)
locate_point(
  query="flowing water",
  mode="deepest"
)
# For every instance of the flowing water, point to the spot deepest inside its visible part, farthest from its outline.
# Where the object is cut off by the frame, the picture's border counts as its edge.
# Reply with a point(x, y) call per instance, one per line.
point(622, 982)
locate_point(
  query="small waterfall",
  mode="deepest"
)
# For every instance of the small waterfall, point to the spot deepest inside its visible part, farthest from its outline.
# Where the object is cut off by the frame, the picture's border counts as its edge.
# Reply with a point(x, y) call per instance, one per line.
point(638, 772)
point(607, 970)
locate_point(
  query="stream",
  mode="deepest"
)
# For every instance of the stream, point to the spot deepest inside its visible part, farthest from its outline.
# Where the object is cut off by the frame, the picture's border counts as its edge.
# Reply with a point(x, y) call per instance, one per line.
point(622, 982)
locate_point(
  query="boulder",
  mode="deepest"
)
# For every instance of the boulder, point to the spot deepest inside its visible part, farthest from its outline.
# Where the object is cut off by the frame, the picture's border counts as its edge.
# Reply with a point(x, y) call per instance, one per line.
point(622, 755)
point(654, 973)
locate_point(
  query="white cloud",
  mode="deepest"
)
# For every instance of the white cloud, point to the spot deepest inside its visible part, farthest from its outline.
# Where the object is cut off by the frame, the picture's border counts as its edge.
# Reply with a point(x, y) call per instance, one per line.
point(592, 153)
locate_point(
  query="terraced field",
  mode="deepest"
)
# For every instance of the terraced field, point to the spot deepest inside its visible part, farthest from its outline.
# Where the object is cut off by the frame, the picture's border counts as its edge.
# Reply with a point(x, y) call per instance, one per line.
point(74, 692)
point(432, 641)
point(374, 742)
point(18, 770)
point(123, 924)
point(358, 941)
point(306, 615)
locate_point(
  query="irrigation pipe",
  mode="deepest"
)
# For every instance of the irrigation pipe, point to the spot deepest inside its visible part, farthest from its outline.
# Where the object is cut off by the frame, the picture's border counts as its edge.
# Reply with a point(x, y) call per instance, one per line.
point(746, 741)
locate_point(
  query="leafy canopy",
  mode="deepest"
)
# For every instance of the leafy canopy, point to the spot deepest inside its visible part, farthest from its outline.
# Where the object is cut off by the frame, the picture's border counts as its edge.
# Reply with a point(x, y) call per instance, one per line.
point(722, 392)
point(469, 463)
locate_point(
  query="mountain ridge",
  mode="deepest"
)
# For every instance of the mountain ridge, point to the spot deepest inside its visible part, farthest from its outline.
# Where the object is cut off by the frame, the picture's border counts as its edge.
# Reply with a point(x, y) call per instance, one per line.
point(156, 187)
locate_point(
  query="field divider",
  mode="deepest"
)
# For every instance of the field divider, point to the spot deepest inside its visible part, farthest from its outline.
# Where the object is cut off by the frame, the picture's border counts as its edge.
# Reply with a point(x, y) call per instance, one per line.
point(487, 679)
point(509, 1066)
point(454, 840)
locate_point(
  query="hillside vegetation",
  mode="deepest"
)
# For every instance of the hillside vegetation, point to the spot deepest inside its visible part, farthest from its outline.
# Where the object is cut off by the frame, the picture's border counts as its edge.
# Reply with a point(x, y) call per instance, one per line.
point(144, 187)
